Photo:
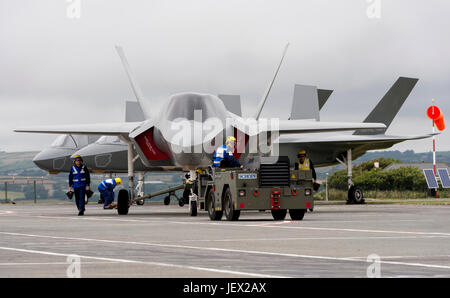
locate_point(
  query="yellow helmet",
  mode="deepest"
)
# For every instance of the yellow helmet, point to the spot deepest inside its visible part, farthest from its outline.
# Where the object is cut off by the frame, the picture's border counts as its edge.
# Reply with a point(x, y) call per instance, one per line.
point(301, 153)
point(77, 157)
point(118, 180)
point(231, 139)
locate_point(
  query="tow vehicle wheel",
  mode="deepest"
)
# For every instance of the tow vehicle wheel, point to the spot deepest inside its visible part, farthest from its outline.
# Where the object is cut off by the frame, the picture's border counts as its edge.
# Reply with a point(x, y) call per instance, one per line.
point(167, 200)
point(211, 205)
point(193, 211)
point(279, 214)
point(230, 213)
point(123, 202)
point(140, 203)
point(297, 214)
point(355, 195)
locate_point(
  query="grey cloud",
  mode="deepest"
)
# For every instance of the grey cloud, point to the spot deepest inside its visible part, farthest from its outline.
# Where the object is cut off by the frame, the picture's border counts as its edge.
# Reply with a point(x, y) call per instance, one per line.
point(51, 66)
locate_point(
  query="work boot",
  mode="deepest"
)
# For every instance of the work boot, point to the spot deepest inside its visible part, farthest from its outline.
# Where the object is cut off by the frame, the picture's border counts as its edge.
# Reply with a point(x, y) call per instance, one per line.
point(81, 213)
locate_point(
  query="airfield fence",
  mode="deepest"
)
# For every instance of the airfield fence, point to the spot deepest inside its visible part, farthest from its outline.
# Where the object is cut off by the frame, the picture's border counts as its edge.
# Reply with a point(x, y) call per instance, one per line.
point(5, 180)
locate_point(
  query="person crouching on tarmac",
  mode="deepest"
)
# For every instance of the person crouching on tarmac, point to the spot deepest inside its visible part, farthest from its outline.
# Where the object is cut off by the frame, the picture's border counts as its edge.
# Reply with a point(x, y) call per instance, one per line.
point(106, 189)
point(223, 157)
point(79, 181)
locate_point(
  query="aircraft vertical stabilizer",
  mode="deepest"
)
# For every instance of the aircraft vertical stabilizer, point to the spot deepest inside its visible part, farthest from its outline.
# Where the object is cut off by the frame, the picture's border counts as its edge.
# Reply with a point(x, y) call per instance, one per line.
point(232, 103)
point(133, 112)
point(305, 103)
point(131, 77)
point(388, 107)
point(323, 96)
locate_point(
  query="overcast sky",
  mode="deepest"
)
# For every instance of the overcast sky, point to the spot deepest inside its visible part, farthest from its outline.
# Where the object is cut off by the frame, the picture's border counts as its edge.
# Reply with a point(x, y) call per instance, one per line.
point(55, 69)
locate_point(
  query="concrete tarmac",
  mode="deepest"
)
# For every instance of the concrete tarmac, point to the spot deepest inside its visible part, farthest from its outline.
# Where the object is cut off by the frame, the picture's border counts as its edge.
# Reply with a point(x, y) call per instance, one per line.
point(163, 241)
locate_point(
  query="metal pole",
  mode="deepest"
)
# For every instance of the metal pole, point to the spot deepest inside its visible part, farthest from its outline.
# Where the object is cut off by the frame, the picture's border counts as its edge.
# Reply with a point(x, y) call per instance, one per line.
point(6, 192)
point(434, 145)
point(326, 188)
point(34, 185)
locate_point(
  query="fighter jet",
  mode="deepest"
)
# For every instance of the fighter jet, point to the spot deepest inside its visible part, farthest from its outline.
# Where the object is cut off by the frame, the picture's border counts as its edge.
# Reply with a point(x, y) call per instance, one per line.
point(331, 149)
point(57, 157)
point(186, 130)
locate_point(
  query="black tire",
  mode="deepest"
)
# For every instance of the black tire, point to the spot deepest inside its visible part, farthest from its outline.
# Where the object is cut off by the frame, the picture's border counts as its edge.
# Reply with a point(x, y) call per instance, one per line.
point(230, 213)
point(185, 198)
point(167, 200)
point(140, 203)
point(358, 195)
point(193, 211)
point(297, 214)
point(355, 195)
point(279, 214)
point(181, 202)
point(350, 196)
point(123, 202)
point(211, 206)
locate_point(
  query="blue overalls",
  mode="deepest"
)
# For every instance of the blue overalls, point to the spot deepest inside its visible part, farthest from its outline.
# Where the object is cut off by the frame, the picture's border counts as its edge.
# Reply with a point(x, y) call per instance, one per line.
point(79, 178)
point(222, 153)
point(106, 189)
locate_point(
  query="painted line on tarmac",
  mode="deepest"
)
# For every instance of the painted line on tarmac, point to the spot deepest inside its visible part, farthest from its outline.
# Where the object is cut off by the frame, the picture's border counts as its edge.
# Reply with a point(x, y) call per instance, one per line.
point(305, 238)
point(216, 249)
point(52, 263)
point(144, 262)
point(358, 230)
point(270, 224)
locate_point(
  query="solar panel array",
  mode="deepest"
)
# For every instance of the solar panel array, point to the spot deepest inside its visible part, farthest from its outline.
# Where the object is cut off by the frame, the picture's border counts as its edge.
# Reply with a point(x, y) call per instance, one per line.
point(431, 179)
point(445, 179)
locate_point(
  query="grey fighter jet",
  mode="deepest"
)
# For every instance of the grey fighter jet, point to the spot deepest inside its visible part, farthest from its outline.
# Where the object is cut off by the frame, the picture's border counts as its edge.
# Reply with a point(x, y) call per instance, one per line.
point(182, 132)
point(57, 157)
point(331, 149)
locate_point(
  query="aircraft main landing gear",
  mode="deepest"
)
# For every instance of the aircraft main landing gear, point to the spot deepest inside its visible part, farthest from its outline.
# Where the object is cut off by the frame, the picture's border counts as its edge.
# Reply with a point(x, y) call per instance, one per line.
point(355, 193)
point(123, 202)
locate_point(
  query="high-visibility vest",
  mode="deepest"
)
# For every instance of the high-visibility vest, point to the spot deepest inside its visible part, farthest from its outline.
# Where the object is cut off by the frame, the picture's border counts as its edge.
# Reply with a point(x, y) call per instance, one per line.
point(79, 176)
point(219, 155)
point(108, 184)
point(305, 165)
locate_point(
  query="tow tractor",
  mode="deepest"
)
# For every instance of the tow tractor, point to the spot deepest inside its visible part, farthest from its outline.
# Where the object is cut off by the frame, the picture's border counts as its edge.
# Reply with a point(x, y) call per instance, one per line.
point(266, 183)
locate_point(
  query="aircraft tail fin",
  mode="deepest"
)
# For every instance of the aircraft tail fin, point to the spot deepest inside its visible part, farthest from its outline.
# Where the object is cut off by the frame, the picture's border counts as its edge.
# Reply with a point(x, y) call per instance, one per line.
point(305, 103)
point(232, 103)
point(388, 107)
point(133, 112)
point(134, 85)
point(323, 96)
point(266, 94)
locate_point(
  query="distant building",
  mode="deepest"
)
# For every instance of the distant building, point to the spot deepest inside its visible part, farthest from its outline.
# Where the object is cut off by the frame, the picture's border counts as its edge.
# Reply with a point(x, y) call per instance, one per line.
point(419, 165)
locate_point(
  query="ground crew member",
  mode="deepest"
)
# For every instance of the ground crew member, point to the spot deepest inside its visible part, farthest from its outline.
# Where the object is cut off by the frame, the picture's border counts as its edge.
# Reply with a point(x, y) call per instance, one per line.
point(79, 181)
point(106, 189)
point(224, 155)
point(305, 163)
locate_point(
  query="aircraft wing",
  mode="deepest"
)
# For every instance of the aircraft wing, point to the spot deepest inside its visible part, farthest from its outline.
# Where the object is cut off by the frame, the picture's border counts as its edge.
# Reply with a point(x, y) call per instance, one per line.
point(253, 127)
point(349, 139)
point(104, 129)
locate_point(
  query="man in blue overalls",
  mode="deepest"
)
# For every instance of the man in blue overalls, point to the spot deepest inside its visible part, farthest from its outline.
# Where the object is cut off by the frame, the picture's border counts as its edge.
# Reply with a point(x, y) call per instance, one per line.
point(79, 181)
point(106, 189)
point(224, 155)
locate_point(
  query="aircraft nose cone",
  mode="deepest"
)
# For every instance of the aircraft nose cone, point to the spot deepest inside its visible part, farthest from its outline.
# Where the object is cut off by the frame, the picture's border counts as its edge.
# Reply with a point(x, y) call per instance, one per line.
point(53, 159)
point(43, 162)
